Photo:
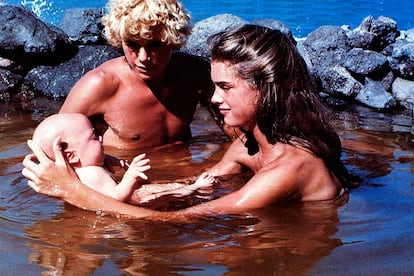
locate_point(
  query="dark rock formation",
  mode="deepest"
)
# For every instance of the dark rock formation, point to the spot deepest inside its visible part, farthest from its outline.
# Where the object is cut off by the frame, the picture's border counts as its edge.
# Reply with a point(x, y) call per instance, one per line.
point(372, 64)
point(56, 81)
point(83, 26)
point(197, 42)
point(361, 64)
point(25, 38)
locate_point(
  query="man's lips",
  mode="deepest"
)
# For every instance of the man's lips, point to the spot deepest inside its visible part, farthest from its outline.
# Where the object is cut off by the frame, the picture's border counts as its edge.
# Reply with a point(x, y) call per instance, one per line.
point(144, 68)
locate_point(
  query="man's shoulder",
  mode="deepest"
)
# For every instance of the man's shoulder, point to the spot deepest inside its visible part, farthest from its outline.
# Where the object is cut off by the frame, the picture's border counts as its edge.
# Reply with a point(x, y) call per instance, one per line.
point(103, 79)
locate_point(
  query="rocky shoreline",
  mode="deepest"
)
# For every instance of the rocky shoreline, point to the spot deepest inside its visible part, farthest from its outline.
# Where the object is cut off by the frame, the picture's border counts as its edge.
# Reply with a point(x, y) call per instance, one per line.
point(372, 65)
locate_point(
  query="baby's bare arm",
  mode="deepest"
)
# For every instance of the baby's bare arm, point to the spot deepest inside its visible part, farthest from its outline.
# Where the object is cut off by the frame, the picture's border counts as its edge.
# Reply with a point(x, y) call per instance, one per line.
point(150, 192)
point(129, 183)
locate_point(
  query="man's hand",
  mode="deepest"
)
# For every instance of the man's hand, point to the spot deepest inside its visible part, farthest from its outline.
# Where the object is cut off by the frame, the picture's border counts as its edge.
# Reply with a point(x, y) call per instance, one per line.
point(47, 177)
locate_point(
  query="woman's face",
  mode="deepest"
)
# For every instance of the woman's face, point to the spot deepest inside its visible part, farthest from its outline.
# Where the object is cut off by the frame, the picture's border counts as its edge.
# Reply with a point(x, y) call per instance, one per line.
point(236, 99)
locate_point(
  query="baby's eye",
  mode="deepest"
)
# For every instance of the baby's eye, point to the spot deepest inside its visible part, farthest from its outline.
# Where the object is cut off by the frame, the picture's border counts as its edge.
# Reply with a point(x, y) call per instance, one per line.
point(94, 136)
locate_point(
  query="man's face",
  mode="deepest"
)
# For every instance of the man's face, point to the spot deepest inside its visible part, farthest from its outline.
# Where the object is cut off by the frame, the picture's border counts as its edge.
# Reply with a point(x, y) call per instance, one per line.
point(148, 58)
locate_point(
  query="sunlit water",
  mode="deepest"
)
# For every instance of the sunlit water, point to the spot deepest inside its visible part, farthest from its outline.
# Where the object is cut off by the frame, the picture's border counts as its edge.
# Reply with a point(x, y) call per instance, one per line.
point(301, 16)
point(371, 234)
point(368, 235)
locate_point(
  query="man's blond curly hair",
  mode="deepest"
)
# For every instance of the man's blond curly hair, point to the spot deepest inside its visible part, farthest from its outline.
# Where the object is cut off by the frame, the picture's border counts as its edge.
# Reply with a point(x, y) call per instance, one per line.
point(164, 20)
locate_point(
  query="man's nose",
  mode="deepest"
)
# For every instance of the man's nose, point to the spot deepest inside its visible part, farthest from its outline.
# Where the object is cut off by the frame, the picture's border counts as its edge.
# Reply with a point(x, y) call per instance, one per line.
point(143, 54)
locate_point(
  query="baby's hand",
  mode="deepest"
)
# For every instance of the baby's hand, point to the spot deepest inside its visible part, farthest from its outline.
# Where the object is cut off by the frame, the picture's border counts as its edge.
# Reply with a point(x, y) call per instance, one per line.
point(204, 180)
point(138, 166)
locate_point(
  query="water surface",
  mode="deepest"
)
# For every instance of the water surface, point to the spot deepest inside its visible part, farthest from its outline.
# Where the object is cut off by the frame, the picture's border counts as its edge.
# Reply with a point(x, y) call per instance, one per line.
point(301, 16)
point(370, 234)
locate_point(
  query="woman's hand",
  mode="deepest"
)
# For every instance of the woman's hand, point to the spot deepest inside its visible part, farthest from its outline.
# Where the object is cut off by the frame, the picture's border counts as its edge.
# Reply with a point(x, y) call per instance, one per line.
point(55, 179)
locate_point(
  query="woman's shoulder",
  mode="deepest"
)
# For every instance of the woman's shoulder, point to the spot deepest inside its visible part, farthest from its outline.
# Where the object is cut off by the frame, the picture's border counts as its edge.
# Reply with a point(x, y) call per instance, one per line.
point(291, 160)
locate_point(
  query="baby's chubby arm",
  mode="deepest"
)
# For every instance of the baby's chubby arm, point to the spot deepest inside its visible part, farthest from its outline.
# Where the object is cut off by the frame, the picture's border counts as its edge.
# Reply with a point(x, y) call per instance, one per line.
point(153, 191)
point(128, 184)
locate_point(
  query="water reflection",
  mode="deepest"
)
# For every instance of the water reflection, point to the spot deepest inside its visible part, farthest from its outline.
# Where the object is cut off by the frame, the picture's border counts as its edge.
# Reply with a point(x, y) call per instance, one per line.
point(42, 235)
point(289, 238)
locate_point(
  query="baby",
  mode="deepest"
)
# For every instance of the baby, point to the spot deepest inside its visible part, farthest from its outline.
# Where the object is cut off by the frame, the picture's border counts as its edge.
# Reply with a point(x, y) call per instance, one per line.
point(84, 152)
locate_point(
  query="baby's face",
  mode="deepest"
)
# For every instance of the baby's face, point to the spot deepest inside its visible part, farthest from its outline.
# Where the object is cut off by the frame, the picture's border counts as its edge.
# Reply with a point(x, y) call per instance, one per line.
point(88, 145)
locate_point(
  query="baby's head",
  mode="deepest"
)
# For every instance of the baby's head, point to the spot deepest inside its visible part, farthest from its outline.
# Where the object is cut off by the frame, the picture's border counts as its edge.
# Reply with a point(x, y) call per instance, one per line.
point(79, 144)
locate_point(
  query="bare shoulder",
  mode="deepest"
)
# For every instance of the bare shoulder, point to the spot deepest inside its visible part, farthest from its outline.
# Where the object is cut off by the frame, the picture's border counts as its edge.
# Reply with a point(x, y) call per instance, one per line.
point(94, 176)
point(103, 80)
point(300, 175)
point(89, 93)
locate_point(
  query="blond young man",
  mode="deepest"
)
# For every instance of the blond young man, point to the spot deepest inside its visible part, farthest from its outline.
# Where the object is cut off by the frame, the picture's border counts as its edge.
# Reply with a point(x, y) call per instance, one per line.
point(148, 96)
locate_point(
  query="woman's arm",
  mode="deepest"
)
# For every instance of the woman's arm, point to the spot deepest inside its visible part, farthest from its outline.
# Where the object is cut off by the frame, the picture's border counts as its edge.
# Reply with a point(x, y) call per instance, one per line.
point(232, 161)
point(59, 180)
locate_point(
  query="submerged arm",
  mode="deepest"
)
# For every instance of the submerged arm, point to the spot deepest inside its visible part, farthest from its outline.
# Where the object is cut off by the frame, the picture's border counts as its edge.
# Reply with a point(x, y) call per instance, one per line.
point(59, 180)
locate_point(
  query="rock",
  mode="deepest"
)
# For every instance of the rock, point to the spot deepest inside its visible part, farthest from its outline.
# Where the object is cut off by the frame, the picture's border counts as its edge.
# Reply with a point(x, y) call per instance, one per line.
point(338, 82)
point(373, 94)
point(13, 66)
point(9, 84)
point(403, 91)
point(364, 62)
point(325, 47)
point(275, 25)
point(25, 38)
point(56, 81)
point(197, 41)
point(83, 26)
point(401, 58)
point(361, 39)
point(410, 35)
point(43, 61)
point(388, 80)
point(383, 28)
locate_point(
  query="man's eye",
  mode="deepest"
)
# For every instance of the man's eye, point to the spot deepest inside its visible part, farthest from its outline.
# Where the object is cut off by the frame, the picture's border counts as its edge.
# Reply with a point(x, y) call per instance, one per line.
point(155, 44)
point(132, 44)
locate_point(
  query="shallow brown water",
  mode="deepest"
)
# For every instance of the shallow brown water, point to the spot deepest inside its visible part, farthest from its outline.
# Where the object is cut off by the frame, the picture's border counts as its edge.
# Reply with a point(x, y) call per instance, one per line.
point(370, 234)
